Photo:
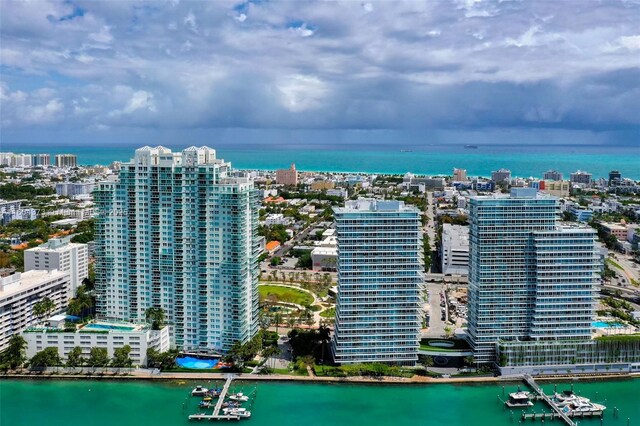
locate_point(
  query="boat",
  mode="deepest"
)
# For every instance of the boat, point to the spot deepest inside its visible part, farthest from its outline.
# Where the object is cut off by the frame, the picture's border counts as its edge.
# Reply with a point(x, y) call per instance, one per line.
point(583, 407)
point(519, 399)
point(239, 397)
point(240, 412)
point(199, 391)
point(406, 150)
point(204, 404)
point(471, 146)
point(567, 397)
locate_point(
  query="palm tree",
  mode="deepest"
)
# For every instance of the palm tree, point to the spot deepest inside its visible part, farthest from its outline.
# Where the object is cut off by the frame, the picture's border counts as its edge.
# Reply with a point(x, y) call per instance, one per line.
point(155, 316)
point(43, 307)
point(277, 319)
point(324, 335)
point(14, 355)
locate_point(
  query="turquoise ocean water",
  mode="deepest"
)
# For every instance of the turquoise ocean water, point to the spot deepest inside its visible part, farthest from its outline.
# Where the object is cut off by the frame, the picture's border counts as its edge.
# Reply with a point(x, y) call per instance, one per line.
point(104, 403)
point(523, 160)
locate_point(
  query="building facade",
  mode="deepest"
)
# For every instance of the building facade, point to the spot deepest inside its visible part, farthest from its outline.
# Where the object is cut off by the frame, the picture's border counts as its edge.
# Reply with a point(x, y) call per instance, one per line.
point(501, 176)
point(62, 255)
point(459, 175)
point(552, 175)
point(581, 178)
point(455, 249)
point(66, 161)
point(179, 231)
point(287, 176)
point(41, 160)
point(530, 279)
point(21, 291)
point(380, 278)
point(12, 210)
point(97, 334)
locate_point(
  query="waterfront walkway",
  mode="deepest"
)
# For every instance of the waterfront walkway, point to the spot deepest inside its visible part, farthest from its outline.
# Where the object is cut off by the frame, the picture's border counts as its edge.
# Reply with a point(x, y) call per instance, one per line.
point(537, 389)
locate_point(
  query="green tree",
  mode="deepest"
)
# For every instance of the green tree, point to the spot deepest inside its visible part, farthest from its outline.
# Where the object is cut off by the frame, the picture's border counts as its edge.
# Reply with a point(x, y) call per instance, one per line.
point(74, 358)
point(275, 261)
point(277, 320)
point(98, 357)
point(121, 357)
point(427, 362)
point(48, 357)
point(155, 316)
point(14, 355)
point(43, 307)
point(81, 303)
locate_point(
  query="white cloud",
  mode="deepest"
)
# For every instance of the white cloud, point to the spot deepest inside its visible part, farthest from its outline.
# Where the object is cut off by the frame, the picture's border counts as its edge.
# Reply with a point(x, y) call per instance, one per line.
point(630, 42)
point(301, 92)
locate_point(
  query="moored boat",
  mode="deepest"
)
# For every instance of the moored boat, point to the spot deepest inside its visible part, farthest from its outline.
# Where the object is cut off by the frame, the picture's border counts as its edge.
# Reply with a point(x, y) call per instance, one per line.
point(519, 399)
point(239, 397)
point(199, 391)
point(240, 412)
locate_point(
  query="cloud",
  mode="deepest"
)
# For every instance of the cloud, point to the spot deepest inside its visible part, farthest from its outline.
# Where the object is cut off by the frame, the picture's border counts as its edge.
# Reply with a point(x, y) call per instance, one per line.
point(359, 65)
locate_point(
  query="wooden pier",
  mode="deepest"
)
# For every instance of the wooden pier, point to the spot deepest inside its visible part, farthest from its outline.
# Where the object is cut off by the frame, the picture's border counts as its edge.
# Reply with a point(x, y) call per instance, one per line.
point(557, 411)
point(216, 411)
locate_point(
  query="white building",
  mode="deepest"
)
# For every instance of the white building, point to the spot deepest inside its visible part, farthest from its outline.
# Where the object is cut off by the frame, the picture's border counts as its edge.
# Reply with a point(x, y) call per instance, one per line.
point(277, 219)
point(63, 255)
point(455, 249)
point(70, 189)
point(380, 279)
point(99, 334)
point(12, 210)
point(178, 231)
point(21, 291)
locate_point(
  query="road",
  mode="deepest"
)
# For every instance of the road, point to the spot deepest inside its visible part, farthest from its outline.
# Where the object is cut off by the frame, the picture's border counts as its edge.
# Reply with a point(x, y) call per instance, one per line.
point(631, 269)
point(436, 324)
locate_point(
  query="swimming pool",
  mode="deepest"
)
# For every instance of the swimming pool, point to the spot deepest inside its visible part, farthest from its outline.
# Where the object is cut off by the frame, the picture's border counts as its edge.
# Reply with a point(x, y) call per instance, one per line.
point(602, 324)
point(99, 326)
point(195, 363)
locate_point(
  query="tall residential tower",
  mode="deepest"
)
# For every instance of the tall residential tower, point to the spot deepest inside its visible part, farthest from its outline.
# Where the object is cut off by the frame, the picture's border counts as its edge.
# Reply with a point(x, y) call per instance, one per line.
point(530, 277)
point(179, 231)
point(380, 277)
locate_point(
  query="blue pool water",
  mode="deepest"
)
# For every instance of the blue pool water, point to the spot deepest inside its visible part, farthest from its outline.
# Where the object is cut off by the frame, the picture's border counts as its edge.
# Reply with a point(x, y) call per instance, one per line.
point(195, 363)
point(602, 324)
point(108, 327)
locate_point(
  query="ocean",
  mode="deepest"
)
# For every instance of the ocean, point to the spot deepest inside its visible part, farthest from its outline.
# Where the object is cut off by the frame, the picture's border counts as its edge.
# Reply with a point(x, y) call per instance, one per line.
point(524, 160)
point(154, 403)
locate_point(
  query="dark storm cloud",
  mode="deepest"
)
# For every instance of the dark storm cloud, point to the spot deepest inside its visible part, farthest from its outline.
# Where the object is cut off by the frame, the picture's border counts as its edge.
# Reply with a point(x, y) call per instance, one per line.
point(320, 65)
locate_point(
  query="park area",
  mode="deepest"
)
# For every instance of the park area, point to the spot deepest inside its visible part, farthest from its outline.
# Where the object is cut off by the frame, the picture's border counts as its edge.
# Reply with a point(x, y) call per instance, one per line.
point(274, 294)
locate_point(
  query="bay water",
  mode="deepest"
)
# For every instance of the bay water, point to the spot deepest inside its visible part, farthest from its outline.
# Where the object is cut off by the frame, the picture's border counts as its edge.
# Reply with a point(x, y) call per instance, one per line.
point(109, 403)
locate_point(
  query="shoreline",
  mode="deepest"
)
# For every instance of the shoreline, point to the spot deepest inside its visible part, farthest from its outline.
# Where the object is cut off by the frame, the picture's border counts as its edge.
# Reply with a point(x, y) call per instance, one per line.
point(415, 380)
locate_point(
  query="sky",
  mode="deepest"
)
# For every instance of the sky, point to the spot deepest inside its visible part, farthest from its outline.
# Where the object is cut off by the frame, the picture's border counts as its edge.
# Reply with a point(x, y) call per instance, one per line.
point(112, 71)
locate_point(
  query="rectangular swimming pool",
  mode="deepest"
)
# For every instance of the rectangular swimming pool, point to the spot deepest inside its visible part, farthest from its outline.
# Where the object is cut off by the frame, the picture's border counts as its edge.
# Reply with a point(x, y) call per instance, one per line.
point(100, 326)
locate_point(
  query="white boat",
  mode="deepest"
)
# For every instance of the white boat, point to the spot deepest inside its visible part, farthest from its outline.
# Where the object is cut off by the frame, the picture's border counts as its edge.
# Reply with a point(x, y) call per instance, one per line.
point(240, 397)
point(583, 407)
point(240, 412)
point(567, 397)
point(199, 391)
point(519, 399)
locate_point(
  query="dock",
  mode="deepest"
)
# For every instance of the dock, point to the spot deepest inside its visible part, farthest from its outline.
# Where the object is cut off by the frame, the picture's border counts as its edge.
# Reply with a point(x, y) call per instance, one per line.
point(216, 411)
point(557, 412)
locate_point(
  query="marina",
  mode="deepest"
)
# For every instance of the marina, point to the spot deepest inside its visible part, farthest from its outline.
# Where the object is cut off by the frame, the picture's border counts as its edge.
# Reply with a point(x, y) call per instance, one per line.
point(231, 410)
point(565, 406)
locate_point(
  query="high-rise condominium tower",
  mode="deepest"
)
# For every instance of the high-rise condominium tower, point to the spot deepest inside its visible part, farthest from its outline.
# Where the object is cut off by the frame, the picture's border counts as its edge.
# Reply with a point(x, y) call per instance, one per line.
point(380, 277)
point(178, 231)
point(530, 278)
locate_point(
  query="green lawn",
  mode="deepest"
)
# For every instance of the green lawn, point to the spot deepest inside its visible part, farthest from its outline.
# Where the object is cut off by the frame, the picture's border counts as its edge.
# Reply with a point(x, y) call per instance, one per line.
point(285, 294)
point(328, 313)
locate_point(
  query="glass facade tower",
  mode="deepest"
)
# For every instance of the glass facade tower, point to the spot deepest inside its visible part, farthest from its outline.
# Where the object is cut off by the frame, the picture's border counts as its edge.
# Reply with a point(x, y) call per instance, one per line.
point(380, 278)
point(179, 231)
point(531, 278)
